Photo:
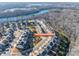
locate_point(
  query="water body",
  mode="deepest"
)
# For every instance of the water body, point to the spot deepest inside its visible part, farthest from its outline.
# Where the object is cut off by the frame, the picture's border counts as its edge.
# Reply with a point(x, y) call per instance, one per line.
point(23, 16)
point(42, 12)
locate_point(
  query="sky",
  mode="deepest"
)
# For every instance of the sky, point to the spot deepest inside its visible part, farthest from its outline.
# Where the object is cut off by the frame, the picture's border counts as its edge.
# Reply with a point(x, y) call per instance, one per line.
point(39, 0)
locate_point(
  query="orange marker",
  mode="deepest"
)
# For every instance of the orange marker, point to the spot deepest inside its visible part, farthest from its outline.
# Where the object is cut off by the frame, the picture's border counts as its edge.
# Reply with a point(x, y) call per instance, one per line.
point(40, 34)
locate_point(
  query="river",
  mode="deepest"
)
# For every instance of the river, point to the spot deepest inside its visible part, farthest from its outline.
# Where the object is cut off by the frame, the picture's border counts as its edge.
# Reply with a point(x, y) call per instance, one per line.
point(23, 16)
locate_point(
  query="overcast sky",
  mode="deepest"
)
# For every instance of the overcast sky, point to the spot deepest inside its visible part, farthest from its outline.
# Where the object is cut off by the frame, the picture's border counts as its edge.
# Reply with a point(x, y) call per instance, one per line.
point(39, 0)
